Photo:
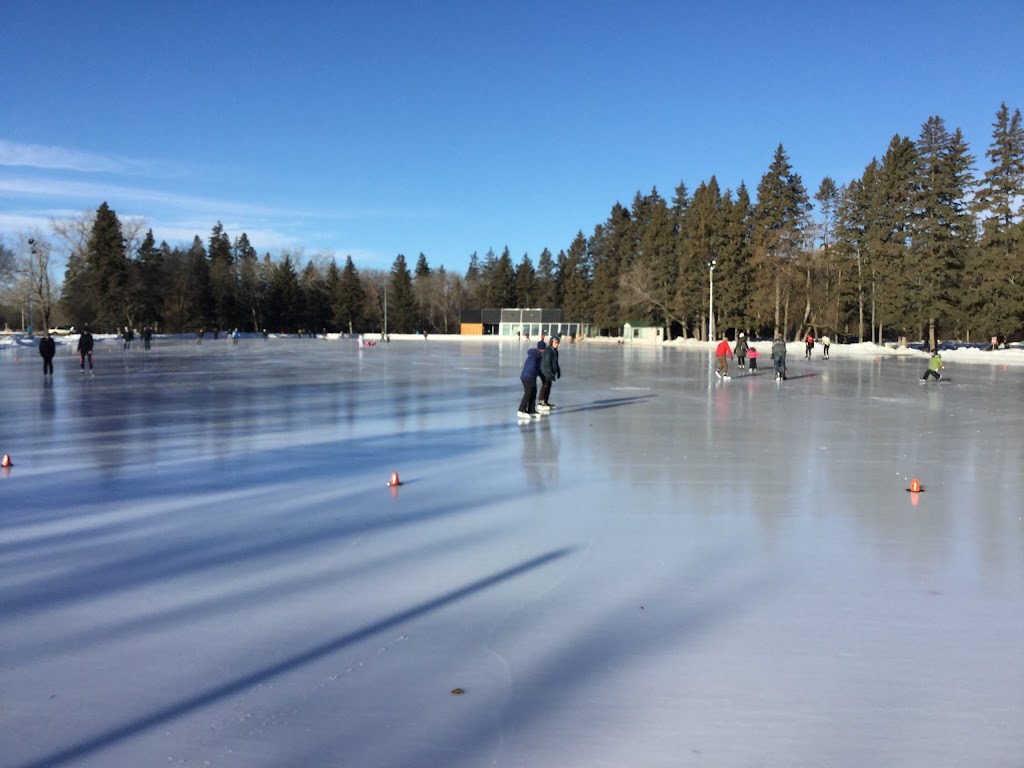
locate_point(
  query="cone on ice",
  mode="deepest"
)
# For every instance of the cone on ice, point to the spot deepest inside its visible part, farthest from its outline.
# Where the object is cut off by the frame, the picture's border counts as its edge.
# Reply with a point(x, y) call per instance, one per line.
point(915, 486)
point(394, 480)
point(6, 461)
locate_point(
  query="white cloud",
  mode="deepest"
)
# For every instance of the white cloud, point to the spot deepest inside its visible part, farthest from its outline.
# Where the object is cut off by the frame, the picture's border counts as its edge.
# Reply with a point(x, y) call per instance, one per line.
point(41, 156)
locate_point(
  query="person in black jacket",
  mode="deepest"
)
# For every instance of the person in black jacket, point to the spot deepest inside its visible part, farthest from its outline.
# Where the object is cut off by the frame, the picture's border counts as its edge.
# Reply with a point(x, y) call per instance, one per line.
point(85, 348)
point(531, 369)
point(47, 349)
point(549, 371)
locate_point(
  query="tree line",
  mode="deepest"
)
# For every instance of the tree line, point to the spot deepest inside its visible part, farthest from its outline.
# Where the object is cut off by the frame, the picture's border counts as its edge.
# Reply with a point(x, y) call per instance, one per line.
point(922, 244)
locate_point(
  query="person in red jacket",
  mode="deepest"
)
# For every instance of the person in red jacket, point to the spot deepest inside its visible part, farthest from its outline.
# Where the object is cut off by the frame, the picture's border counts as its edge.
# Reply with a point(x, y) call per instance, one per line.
point(722, 353)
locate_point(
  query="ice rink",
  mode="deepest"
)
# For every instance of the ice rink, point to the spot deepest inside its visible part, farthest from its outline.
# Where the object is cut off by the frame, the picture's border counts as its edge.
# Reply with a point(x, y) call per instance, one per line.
point(202, 564)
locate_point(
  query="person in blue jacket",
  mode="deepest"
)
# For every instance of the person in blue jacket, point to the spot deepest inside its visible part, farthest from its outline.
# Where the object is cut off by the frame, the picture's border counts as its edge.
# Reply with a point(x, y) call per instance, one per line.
point(531, 370)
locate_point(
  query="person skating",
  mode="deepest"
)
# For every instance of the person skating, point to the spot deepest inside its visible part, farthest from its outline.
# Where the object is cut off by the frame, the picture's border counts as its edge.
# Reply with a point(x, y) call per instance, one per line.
point(741, 351)
point(47, 349)
point(722, 353)
point(531, 370)
point(779, 356)
point(754, 354)
point(85, 349)
point(810, 345)
point(549, 372)
point(826, 342)
point(934, 365)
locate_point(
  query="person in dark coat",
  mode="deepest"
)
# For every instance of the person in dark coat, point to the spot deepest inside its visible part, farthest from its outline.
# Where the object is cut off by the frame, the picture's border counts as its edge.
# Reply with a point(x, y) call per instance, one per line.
point(47, 349)
point(85, 348)
point(549, 372)
point(531, 370)
point(741, 351)
point(779, 356)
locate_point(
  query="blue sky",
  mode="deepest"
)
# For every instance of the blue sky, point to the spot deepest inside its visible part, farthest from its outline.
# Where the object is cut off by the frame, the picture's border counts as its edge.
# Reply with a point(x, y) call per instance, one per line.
point(373, 129)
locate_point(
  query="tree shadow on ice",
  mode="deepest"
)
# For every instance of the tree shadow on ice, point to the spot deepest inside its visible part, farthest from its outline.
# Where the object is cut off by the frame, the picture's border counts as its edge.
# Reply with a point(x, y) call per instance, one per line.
point(161, 556)
point(686, 604)
point(238, 685)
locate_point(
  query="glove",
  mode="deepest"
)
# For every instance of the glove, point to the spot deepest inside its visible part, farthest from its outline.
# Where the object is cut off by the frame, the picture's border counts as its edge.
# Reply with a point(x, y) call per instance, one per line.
point(558, 375)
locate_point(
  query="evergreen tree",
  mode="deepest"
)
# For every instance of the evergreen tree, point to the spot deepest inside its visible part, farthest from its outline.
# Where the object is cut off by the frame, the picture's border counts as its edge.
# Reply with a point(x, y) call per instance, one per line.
point(574, 281)
point(500, 280)
point(199, 300)
point(252, 285)
point(941, 229)
point(732, 287)
point(610, 241)
point(475, 282)
point(223, 281)
point(648, 282)
point(827, 199)
point(314, 299)
point(283, 297)
point(525, 283)
point(702, 232)
point(996, 272)
point(546, 274)
point(894, 206)
point(780, 224)
point(107, 270)
point(151, 278)
point(401, 301)
point(350, 299)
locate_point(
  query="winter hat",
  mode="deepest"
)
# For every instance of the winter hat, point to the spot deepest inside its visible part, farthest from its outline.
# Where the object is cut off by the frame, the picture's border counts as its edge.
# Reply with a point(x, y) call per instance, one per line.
point(541, 345)
point(741, 335)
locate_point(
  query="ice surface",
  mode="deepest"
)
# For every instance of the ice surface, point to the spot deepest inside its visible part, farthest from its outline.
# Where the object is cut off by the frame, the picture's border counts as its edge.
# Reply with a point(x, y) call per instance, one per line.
point(201, 562)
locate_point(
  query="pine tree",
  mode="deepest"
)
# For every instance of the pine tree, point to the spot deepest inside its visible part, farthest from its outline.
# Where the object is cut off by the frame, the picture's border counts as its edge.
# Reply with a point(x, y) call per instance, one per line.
point(107, 270)
point(401, 300)
point(546, 275)
point(283, 297)
point(574, 281)
point(996, 271)
point(525, 283)
point(198, 302)
point(780, 224)
point(350, 299)
point(151, 278)
point(223, 281)
point(941, 228)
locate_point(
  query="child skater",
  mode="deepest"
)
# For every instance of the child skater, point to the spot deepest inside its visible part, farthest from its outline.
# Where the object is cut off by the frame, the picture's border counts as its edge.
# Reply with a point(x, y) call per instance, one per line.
point(753, 355)
point(934, 364)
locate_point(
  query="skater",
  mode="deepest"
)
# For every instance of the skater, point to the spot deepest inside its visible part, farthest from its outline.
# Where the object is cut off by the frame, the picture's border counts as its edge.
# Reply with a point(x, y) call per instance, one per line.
point(85, 349)
point(826, 342)
point(531, 370)
point(753, 359)
point(147, 338)
point(934, 365)
point(47, 349)
point(549, 372)
point(779, 356)
point(741, 351)
point(722, 353)
point(127, 335)
point(810, 345)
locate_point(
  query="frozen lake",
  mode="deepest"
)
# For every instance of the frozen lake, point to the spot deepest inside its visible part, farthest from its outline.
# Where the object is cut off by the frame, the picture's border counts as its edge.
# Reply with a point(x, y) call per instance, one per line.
point(201, 562)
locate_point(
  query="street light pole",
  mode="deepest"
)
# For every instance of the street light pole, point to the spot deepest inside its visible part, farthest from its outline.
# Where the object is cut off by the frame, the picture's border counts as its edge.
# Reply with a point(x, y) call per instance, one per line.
point(32, 248)
point(711, 299)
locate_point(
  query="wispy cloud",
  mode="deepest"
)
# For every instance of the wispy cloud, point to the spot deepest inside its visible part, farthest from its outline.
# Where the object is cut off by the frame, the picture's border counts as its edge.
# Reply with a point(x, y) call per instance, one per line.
point(62, 158)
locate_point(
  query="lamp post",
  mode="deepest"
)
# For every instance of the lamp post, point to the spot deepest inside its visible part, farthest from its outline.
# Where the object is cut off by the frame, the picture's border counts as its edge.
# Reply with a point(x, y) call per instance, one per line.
point(711, 299)
point(32, 248)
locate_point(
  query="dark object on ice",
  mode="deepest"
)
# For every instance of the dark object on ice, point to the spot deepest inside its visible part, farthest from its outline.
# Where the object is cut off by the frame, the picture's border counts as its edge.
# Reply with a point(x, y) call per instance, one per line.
point(457, 691)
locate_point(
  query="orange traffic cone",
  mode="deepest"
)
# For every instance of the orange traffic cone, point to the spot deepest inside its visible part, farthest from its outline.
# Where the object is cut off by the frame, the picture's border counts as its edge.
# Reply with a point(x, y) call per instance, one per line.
point(915, 486)
point(394, 480)
point(6, 461)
